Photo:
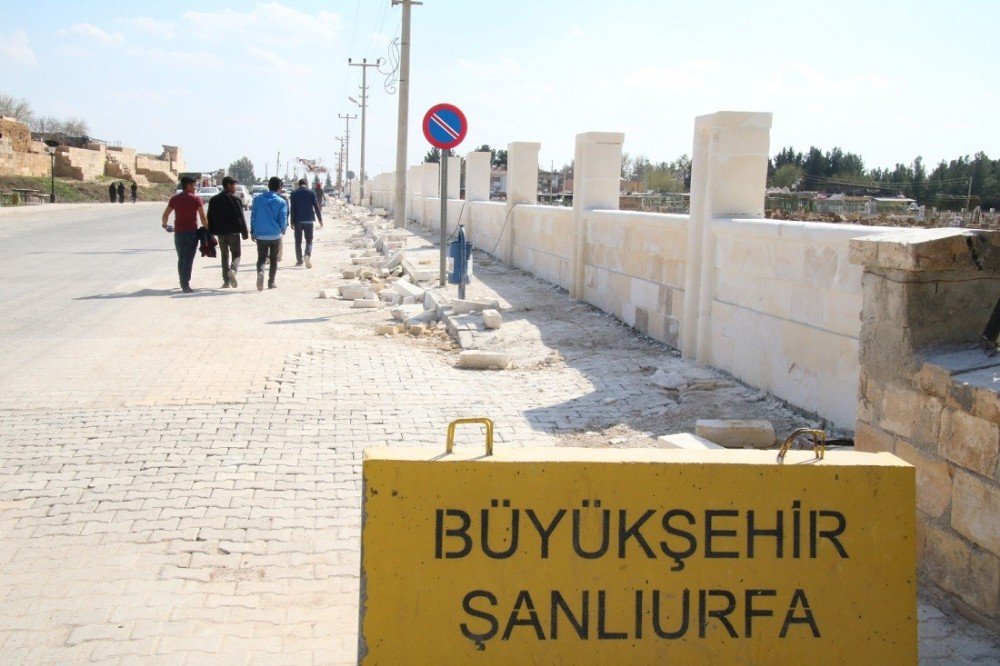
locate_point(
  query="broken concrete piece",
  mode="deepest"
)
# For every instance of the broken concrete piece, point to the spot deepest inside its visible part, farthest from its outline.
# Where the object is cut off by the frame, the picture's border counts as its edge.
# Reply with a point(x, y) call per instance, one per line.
point(492, 319)
point(417, 274)
point(322, 293)
point(416, 329)
point(366, 303)
point(406, 288)
point(436, 300)
point(404, 312)
point(348, 275)
point(393, 261)
point(668, 379)
point(349, 292)
point(685, 440)
point(736, 433)
point(387, 329)
point(424, 317)
point(474, 359)
point(462, 307)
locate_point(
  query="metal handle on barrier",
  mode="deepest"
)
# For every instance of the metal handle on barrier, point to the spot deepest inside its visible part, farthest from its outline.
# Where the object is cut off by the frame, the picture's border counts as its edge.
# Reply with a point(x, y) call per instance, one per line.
point(819, 442)
point(481, 420)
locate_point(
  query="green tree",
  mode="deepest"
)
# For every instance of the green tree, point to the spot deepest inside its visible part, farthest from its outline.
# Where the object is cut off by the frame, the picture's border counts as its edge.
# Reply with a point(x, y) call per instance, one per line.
point(242, 170)
point(499, 160)
point(329, 181)
point(787, 175)
point(433, 155)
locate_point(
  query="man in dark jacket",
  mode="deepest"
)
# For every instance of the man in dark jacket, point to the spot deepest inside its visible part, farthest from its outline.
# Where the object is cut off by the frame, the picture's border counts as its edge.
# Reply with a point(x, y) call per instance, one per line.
point(226, 221)
point(135, 191)
point(305, 211)
point(112, 192)
point(121, 192)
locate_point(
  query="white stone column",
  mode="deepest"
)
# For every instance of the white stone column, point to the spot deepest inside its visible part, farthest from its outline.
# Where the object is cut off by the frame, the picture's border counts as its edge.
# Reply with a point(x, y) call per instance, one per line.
point(728, 180)
point(522, 187)
point(430, 174)
point(454, 177)
point(413, 193)
point(477, 176)
point(597, 167)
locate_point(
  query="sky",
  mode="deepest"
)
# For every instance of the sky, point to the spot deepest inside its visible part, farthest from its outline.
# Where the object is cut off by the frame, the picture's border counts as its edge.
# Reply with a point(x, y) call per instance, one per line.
point(889, 80)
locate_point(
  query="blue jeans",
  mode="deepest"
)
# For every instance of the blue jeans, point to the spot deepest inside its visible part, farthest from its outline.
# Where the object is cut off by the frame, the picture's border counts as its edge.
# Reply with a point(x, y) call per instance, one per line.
point(306, 229)
point(186, 244)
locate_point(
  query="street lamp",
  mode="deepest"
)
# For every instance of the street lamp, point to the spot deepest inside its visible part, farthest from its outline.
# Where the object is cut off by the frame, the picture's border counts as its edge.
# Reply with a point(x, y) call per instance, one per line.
point(51, 145)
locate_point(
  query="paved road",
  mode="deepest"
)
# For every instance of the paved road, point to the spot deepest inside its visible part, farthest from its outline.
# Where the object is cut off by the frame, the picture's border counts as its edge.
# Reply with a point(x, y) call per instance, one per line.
point(179, 474)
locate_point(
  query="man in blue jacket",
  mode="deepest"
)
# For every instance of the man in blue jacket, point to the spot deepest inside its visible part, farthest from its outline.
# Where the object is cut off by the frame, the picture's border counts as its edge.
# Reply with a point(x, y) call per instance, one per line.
point(305, 212)
point(268, 221)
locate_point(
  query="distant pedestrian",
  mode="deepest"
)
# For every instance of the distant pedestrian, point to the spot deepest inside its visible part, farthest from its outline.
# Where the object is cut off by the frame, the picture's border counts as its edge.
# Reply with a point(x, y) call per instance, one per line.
point(305, 211)
point(135, 191)
point(187, 209)
point(268, 222)
point(112, 193)
point(320, 195)
point(121, 192)
point(226, 221)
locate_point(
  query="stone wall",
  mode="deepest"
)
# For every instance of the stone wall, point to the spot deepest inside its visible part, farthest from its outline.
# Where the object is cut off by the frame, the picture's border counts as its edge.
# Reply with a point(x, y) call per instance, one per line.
point(20, 156)
point(930, 395)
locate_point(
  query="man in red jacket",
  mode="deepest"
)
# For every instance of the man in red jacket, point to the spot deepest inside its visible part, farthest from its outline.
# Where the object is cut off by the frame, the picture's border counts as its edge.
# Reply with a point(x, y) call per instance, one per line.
point(187, 209)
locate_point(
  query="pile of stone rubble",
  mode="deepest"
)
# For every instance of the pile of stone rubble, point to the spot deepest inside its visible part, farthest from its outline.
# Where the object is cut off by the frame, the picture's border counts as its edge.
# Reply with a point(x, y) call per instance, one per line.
point(382, 276)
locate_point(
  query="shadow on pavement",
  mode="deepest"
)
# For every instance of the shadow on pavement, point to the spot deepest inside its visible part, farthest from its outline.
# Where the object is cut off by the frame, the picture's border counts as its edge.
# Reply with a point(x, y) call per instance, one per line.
point(311, 320)
point(173, 293)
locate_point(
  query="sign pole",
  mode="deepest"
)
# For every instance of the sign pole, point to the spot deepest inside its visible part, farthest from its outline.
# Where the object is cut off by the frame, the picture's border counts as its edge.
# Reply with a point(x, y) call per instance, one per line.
point(444, 216)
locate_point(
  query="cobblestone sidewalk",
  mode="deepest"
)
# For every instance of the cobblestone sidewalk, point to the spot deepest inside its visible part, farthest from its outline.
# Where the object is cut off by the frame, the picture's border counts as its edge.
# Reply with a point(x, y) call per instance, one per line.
point(204, 507)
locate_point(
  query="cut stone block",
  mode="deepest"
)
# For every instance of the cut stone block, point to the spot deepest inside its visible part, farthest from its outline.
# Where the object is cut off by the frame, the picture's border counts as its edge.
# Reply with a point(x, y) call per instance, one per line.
point(393, 261)
point(425, 317)
point(668, 379)
point(349, 292)
point(436, 300)
point(685, 440)
point(387, 329)
point(406, 288)
point(348, 275)
point(736, 433)
point(474, 359)
point(416, 329)
point(322, 293)
point(404, 312)
point(462, 307)
point(366, 303)
point(492, 319)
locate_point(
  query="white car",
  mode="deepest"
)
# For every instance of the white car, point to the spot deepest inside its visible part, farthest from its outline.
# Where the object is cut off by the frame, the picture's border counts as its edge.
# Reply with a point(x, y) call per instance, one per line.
point(243, 194)
point(207, 193)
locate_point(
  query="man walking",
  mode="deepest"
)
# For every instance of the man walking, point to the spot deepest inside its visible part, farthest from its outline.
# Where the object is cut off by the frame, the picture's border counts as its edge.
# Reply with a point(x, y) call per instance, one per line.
point(268, 221)
point(305, 211)
point(187, 209)
point(226, 221)
point(121, 192)
point(135, 191)
point(112, 193)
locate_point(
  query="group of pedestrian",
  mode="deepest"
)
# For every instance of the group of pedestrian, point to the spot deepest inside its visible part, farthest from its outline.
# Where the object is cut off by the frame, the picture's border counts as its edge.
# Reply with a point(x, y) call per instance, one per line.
point(116, 192)
point(270, 217)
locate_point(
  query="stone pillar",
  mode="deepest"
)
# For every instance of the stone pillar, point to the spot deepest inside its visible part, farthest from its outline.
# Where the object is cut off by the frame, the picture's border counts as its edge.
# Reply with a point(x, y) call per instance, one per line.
point(597, 167)
point(522, 187)
point(430, 175)
point(728, 180)
point(454, 177)
point(930, 395)
point(477, 176)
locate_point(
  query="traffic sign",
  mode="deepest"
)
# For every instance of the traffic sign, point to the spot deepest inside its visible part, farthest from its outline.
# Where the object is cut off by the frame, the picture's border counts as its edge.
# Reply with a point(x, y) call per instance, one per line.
point(445, 126)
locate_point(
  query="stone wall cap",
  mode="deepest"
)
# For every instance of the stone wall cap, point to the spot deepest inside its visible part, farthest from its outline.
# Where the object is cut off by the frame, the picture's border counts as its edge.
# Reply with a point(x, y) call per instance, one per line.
point(734, 119)
point(928, 249)
point(542, 454)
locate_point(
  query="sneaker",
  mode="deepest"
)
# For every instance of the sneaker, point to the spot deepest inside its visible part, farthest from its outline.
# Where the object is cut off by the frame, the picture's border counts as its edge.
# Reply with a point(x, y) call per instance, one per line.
point(271, 285)
point(232, 278)
point(298, 263)
point(260, 280)
point(225, 285)
point(309, 263)
point(187, 289)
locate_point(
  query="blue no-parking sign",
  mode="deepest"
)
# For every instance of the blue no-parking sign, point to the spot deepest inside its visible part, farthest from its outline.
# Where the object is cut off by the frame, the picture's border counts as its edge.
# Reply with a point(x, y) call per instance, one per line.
point(445, 126)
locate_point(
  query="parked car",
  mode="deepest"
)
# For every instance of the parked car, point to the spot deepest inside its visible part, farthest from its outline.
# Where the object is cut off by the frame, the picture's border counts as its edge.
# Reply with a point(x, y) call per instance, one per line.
point(255, 190)
point(243, 194)
point(207, 193)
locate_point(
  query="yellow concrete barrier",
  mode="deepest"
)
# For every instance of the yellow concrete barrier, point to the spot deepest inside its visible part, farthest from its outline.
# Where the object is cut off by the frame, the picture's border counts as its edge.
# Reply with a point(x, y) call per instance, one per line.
point(581, 556)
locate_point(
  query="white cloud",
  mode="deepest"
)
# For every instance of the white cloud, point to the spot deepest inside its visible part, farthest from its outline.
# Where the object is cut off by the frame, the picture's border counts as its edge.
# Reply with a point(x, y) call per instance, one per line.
point(270, 20)
point(198, 59)
point(500, 66)
point(90, 32)
point(270, 58)
point(15, 49)
point(152, 26)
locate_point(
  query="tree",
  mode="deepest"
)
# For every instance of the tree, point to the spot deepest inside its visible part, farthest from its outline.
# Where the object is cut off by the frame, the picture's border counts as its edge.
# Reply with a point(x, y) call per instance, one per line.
point(787, 175)
point(433, 155)
point(499, 160)
point(242, 170)
point(18, 109)
point(329, 181)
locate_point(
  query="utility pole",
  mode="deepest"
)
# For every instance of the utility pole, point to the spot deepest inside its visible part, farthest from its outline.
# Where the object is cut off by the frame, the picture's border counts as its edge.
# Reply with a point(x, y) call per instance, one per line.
point(277, 165)
point(399, 212)
point(340, 164)
point(347, 145)
point(364, 65)
point(968, 196)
